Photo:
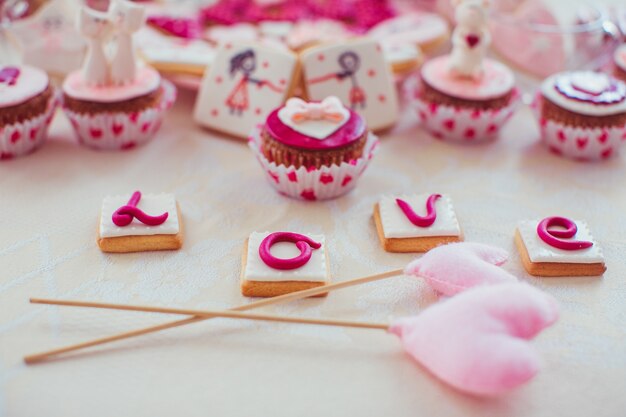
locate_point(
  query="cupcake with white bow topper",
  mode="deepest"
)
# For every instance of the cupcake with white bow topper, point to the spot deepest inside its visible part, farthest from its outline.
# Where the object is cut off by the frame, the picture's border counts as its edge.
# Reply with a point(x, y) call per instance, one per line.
point(313, 150)
point(112, 102)
point(582, 114)
point(465, 97)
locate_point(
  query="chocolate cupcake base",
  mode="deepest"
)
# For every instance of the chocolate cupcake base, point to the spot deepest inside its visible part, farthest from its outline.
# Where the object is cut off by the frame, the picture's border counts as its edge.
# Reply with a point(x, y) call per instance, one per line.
point(136, 104)
point(281, 154)
point(432, 95)
point(33, 107)
point(551, 111)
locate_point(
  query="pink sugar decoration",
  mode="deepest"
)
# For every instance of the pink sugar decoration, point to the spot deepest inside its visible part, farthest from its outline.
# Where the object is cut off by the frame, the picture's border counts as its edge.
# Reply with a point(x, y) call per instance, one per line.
point(124, 215)
point(477, 341)
point(305, 244)
point(15, 136)
point(452, 268)
point(326, 178)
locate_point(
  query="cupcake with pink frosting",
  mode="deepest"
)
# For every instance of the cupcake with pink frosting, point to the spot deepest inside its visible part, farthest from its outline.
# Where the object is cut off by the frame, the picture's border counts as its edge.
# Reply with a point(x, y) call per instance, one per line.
point(465, 97)
point(582, 114)
point(313, 150)
point(112, 102)
point(27, 104)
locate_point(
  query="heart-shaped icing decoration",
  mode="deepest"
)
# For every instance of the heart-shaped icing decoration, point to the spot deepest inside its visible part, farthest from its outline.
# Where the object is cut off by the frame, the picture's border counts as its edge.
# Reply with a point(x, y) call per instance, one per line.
point(472, 40)
point(450, 269)
point(9, 75)
point(317, 120)
point(478, 341)
point(590, 82)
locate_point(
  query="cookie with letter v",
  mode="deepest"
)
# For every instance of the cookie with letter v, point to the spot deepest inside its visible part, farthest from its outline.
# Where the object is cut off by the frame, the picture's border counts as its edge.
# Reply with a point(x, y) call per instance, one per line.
point(283, 262)
point(416, 223)
point(243, 85)
point(558, 247)
point(355, 71)
point(136, 223)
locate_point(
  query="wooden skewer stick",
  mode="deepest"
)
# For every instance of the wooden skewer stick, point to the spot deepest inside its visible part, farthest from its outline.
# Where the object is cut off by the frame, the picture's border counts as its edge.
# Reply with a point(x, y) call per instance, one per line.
point(204, 314)
point(39, 357)
point(214, 313)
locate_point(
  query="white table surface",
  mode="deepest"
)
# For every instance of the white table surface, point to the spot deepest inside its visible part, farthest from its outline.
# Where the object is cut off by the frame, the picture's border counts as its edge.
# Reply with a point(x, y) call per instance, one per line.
point(49, 206)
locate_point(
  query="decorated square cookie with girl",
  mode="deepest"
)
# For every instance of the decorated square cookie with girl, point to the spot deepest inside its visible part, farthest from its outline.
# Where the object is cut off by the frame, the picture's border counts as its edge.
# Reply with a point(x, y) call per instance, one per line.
point(246, 82)
point(357, 73)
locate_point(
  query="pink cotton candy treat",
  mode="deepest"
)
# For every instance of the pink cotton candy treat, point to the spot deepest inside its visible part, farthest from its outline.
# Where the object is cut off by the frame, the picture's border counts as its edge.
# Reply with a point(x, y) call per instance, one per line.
point(477, 342)
point(452, 268)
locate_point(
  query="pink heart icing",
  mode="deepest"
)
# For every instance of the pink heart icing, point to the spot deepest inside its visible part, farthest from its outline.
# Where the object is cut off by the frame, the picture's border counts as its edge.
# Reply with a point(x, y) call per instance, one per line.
point(452, 268)
point(472, 40)
point(477, 342)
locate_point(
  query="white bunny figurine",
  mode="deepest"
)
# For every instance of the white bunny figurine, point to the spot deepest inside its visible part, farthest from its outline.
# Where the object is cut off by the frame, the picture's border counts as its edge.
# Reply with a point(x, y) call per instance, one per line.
point(127, 18)
point(95, 26)
point(470, 39)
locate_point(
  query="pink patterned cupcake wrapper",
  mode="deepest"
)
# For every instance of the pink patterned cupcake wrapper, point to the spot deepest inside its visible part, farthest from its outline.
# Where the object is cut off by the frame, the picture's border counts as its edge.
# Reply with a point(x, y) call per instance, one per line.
point(462, 125)
point(579, 143)
point(313, 184)
point(121, 131)
point(22, 138)
point(583, 144)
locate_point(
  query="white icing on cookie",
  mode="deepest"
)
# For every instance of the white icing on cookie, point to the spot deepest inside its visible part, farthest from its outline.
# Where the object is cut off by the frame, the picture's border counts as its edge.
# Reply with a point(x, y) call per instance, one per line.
point(417, 28)
point(620, 57)
point(540, 251)
point(549, 91)
point(152, 204)
point(400, 53)
point(255, 269)
point(397, 225)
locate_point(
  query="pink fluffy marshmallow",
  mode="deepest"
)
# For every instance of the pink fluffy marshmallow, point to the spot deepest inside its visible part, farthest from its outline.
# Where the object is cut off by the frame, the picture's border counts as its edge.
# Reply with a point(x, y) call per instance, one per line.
point(452, 268)
point(477, 341)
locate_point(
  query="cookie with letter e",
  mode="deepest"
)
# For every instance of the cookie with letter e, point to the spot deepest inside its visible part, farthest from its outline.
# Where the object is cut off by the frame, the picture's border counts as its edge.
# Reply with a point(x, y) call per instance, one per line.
point(140, 223)
point(282, 262)
point(558, 247)
point(416, 223)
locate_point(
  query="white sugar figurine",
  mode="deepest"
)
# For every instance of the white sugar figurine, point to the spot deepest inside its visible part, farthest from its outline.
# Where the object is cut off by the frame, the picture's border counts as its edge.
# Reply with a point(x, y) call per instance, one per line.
point(127, 18)
point(470, 39)
point(95, 26)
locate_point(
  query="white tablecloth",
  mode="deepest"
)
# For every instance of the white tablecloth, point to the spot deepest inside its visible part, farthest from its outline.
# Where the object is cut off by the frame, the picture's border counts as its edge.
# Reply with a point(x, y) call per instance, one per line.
point(49, 206)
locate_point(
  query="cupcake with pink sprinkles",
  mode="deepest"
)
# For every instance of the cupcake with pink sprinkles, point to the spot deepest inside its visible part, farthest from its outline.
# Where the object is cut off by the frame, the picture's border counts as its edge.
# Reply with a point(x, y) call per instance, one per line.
point(464, 97)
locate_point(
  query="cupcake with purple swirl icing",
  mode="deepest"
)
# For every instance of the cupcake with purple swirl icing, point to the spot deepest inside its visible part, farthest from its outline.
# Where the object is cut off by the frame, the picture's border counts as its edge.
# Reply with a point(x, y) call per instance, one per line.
point(582, 114)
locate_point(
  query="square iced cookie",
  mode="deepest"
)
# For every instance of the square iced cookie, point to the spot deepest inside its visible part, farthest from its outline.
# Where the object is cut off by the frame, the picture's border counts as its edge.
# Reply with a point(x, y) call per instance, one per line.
point(549, 249)
point(282, 262)
point(355, 71)
point(243, 85)
point(136, 223)
point(416, 223)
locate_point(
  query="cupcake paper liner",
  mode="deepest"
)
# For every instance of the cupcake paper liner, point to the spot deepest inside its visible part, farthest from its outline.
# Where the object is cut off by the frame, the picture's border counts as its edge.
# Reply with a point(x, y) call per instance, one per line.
point(579, 143)
point(121, 131)
point(313, 184)
point(464, 125)
point(458, 124)
point(24, 137)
